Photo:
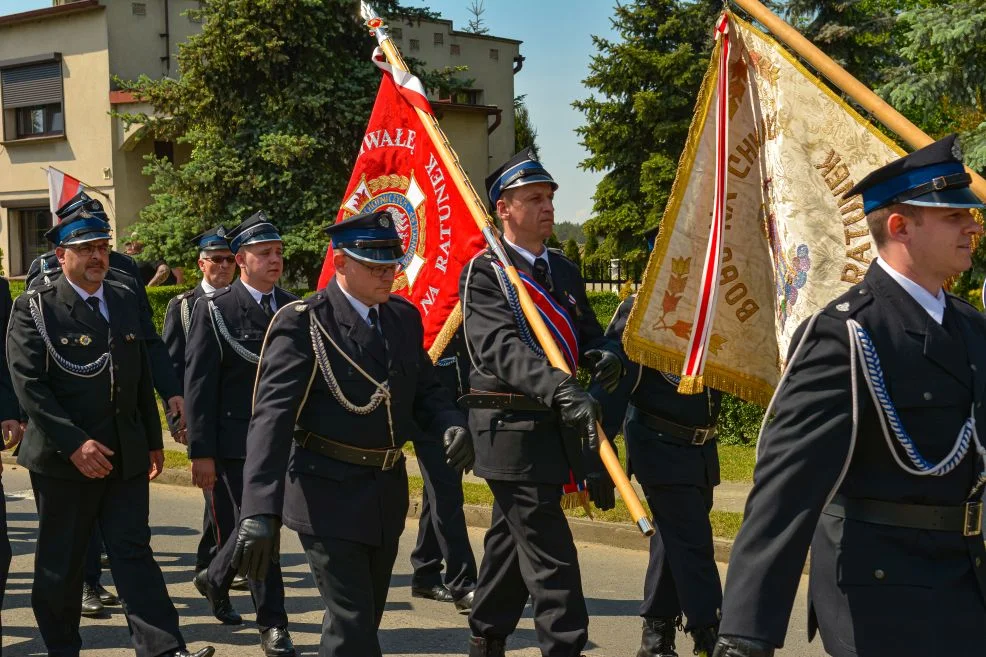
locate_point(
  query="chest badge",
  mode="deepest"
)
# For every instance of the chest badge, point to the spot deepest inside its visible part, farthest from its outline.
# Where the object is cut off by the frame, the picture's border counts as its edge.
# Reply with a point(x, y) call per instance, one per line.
point(129, 337)
point(843, 307)
point(85, 340)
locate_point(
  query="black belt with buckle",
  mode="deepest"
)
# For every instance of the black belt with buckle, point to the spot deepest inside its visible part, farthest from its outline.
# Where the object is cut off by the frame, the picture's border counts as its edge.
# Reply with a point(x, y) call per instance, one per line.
point(966, 518)
point(484, 399)
point(385, 459)
point(668, 429)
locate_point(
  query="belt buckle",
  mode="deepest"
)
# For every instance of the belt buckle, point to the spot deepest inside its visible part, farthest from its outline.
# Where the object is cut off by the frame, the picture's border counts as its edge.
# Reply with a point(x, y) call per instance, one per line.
point(972, 522)
point(390, 458)
point(703, 435)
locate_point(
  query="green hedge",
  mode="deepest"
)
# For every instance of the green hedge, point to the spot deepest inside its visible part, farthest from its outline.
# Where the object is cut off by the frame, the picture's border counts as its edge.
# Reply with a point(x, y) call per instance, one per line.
point(739, 422)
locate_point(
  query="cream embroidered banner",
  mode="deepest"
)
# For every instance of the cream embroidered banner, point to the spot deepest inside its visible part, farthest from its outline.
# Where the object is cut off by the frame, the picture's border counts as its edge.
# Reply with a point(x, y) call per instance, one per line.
point(791, 244)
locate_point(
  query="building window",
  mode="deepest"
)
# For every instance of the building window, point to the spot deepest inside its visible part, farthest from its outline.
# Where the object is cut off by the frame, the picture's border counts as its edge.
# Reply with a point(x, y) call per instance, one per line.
point(454, 50)
point(415, 44)
point(165, 150)
point(138, 8)
point(466, 97)
point(396, 33)
point(32, 99)
point(32, 224)
point(439, 39)
point(494, 54)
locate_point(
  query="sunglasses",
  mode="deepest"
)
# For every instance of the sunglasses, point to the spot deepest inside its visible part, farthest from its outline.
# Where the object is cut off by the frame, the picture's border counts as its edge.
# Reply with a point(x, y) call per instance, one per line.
point(219, 260)
point(86, 250)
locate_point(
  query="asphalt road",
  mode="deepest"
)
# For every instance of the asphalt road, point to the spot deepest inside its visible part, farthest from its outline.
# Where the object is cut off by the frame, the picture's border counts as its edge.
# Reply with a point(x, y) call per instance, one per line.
point(612, 578)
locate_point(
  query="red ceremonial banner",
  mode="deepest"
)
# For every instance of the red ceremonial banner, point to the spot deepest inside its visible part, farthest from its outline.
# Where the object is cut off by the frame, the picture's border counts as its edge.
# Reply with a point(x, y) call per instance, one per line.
point(398, 169)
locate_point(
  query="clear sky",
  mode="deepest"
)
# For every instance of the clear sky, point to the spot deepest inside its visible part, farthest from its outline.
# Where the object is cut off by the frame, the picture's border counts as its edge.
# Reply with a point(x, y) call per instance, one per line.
point(557, 36)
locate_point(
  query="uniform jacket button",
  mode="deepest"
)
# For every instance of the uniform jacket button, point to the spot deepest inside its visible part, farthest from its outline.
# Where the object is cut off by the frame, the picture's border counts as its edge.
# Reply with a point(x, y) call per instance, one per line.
point(927, 396)
point(499, 423)
point(228, 413)
point(879, 574)
point(979, 562)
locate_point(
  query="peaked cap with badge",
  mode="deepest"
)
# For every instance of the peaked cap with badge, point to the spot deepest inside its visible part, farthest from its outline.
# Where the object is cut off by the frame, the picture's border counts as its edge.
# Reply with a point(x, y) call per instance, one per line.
point(255, 229)
point(81, 219)
point(213, 239)
point(522, 169)
point(932, 176)
point(370, 237)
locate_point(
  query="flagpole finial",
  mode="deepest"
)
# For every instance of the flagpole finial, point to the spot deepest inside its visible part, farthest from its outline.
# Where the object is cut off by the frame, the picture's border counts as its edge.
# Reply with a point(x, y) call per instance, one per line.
point(373, 21)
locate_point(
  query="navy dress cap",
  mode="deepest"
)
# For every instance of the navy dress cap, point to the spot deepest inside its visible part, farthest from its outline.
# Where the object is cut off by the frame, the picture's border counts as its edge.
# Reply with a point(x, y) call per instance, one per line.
point(78, 227)
point(522, 169)
point(213, 239)
point(370, 237)
point(932, 176)
point(257, 228)
point(81, 200)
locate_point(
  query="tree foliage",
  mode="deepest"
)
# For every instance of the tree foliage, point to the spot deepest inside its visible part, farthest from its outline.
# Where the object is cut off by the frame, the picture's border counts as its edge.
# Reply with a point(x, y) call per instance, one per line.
point(273, 99)
point(635, 128)
point(525, 134)
point(477, 24)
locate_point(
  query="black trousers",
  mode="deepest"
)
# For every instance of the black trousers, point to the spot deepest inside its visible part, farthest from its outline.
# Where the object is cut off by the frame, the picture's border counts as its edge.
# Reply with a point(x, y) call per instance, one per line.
point(209, 542)
point(529, 548)
point(442, 530)
point(353, 580)
point(682, 577)
point(268, 595)
point(6, 554)
point(67, 513)
point(92, 569)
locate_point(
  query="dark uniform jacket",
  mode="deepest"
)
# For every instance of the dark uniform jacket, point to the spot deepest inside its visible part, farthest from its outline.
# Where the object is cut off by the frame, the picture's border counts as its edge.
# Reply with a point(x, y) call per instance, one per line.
point(521, 445)
point(123, 269)
point(66, 409)
point(874, 589)
point(655, 458)
point(452, 367)
point(218, 380)
point(9, 408)
point(315, 494)
point(177, 322)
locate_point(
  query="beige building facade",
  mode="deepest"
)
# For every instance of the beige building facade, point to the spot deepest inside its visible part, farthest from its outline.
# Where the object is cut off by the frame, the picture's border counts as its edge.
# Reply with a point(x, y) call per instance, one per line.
point(57, 93)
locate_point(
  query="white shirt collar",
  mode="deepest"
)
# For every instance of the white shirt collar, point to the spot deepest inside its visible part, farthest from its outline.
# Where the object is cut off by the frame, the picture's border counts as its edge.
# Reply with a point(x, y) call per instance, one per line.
point(209, 289)
point(258, 295)
point(361, 308)
point(934, 305)
point(528, 256)
point(98, 294)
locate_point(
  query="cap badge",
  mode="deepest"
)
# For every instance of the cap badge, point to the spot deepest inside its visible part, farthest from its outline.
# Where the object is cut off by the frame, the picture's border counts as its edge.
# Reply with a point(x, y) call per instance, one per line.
point(957, 149)
point(385, 221)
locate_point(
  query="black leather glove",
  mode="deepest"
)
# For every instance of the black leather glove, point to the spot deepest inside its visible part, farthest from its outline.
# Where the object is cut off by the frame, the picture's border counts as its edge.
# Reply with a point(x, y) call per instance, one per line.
point(607, 368)
point(459, 451)
point(602, 492)
point(580, 410)
point(738, 646)
point(258, 544)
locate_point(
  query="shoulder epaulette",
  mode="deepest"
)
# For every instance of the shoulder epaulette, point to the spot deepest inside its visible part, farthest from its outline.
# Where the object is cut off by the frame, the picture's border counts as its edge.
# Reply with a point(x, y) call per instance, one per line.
point(217, 293)
point(964, 301)
point(185, 294)
point(401, 300)
point(850, 301)
point(40, 288)
point(314, 300)
point(117, 284)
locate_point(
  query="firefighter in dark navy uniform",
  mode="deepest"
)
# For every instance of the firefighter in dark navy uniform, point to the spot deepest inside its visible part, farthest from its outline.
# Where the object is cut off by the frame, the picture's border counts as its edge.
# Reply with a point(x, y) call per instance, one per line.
point(344, 382)
point(221, 355)
point(217, 264)
point(11, 432)
point(672, 451)
point(442, 533)
point(81, 372)
point(872, 456)
point(531, 421)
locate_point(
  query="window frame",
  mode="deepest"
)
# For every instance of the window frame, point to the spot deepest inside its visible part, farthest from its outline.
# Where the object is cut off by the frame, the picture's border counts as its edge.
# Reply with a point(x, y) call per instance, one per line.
point(11, 116)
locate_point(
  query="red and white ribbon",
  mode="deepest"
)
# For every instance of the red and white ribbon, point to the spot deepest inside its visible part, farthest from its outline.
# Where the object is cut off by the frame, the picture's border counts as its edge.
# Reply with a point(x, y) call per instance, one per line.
point(408, 84)
point(708, 292)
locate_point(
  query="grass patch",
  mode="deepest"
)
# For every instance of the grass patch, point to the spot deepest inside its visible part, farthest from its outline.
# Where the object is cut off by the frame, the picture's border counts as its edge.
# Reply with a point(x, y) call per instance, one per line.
point(736, 462)
point(175, 460)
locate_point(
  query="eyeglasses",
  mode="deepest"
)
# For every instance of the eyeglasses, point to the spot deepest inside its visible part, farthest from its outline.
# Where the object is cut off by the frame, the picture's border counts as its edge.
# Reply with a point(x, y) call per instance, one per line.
point(86, 250)
point(221, 260)
point(379, 271)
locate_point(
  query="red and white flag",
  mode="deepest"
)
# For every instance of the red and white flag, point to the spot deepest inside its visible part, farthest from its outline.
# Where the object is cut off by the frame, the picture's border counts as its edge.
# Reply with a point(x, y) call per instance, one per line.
point(399, 169)
point(61, 188)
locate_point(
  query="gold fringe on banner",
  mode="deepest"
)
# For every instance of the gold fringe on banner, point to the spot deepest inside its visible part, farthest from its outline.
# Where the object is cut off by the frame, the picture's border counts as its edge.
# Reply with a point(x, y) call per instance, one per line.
point(577, 500)
point(690, 385)
point(444, 336)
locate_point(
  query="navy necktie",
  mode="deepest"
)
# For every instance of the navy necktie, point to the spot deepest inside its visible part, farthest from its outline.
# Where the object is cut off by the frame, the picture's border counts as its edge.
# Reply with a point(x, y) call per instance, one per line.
point(93, 303)
point(265, 304)
point(541, 274)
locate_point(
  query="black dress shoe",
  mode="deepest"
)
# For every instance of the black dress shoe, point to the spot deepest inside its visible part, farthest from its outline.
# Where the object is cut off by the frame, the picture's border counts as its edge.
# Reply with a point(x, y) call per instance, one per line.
point(240, 583)
point(105, 596)
point(464, 604)
point(208, 651)
point(91, 606)
point(438, 592)
point(222, 608)
point(276, 642)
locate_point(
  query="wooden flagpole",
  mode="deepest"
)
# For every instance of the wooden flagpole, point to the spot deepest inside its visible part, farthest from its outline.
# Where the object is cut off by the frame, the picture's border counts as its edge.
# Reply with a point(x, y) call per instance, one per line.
point(478, 210)
point(841, 78)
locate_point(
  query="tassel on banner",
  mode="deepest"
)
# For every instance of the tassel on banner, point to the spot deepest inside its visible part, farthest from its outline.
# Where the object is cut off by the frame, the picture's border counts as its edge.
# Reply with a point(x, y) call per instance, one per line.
point(577, 500)
point(691, 385)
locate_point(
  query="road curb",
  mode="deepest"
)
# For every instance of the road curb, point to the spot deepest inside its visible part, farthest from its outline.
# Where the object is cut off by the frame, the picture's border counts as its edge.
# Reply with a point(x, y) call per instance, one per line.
point(613, 534)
